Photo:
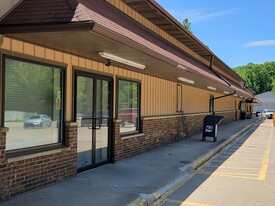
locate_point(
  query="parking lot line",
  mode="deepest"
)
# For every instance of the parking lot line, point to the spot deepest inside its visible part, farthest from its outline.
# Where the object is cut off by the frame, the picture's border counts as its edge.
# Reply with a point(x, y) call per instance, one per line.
point(186, 203)
point(263, 171)
point(241, 176)
point(250, 158)
point(236, 168)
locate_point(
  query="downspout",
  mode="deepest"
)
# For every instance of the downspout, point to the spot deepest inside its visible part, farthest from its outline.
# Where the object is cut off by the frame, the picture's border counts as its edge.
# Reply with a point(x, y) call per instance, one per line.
point(211, 68)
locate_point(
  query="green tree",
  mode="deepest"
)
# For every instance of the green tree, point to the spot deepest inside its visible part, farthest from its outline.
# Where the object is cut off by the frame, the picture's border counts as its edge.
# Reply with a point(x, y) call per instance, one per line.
point(187, 24)
point(259, 77)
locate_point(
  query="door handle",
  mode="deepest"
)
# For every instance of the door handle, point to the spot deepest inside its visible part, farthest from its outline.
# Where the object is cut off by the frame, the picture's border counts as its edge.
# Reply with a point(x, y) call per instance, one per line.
point(95, 124)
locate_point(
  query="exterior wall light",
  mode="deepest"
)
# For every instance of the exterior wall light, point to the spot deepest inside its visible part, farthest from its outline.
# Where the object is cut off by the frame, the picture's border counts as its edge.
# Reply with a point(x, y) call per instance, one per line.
point(186, 80)
point(235, 95)
point(225, 92)
point(121, 60)
point(181, 67)
point(212, 88)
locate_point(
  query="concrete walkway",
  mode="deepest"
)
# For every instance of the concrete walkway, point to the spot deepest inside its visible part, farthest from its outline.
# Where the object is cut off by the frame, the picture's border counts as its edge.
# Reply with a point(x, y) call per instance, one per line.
point(137, 180)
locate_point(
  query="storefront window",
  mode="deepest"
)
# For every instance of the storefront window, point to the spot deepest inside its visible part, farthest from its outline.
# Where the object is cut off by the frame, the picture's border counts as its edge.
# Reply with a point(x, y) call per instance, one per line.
point(128, 105)
point(33, 103)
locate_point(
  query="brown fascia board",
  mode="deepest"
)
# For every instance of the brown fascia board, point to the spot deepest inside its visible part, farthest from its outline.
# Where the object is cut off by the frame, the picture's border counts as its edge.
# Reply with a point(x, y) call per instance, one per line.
point(175, 22)
point(46, 27)
point(228, 68)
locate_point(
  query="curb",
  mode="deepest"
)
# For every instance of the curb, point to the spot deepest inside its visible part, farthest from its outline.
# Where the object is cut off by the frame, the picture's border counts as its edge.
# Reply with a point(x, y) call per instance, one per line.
point(148, 199)
point(201, 160)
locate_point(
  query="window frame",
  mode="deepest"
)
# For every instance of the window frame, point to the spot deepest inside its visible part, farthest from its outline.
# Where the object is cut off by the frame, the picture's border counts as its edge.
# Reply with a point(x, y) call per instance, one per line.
point(179, 106)
point(61, 137)
point(138, 129)
point(211, 103)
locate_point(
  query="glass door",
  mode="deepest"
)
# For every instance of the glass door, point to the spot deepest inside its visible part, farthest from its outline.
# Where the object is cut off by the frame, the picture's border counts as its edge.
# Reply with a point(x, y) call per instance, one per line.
point(93, 113)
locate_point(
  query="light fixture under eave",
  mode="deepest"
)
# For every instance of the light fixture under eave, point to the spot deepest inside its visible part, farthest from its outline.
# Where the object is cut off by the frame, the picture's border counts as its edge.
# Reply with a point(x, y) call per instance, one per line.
point(235, 95)
point(212, 88)
point(225, 92)
point(121, 60)
point(181, 67)
point(186, 80)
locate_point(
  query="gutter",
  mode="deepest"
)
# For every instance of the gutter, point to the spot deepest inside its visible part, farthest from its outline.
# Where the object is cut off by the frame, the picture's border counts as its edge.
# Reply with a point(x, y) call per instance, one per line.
point(211, 68)
point(220, 97)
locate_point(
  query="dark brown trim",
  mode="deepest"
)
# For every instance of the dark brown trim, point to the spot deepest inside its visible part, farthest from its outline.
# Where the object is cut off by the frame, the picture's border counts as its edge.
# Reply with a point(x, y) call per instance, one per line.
point(180, 26)
point(179, 107)
point(90, 74)
point(61, 137)
point(138, 82)
point(47, 27)
point(2, 86)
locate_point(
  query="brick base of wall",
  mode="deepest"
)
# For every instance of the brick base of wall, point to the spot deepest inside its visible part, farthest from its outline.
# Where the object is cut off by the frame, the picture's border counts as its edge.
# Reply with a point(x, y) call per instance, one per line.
point(158, 131)
point(22, 174)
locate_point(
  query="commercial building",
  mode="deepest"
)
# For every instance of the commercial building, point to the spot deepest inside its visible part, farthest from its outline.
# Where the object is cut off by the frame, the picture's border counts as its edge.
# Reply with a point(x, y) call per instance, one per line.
point(89, 82)
point(267, 100)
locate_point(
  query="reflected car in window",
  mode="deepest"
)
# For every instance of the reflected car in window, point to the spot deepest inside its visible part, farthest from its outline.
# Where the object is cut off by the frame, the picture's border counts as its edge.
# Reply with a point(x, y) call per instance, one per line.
point(38, 121)
point(127, 115)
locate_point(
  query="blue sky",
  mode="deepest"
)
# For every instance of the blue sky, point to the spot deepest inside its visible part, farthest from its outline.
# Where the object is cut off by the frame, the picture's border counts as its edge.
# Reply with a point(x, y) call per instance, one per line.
point(237, 31)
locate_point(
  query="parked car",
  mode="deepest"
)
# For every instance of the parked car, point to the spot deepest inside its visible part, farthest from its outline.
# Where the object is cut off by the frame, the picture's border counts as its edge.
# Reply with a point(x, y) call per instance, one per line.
point(259, 112)
point(101, 115)
point(127, 115)
point(38, 121)
point(268, 113)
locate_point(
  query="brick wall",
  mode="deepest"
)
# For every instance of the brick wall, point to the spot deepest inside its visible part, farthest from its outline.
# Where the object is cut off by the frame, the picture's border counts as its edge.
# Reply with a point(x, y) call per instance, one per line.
point(158, 131)
point(228, 117)
point(22, 174)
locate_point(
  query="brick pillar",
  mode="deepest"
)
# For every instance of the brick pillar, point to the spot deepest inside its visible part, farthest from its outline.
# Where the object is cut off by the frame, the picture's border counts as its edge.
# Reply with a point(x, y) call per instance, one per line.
point(71, 142)
point(3, 160)
point(116, 139)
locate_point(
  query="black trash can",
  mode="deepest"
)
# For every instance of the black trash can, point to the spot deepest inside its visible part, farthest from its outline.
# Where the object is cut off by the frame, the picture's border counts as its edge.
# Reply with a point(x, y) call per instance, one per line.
point(243, 115)
point(210, 127)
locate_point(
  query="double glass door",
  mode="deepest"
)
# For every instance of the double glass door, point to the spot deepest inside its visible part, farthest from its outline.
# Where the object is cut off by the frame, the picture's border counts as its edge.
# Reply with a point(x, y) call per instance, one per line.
point(93, 113)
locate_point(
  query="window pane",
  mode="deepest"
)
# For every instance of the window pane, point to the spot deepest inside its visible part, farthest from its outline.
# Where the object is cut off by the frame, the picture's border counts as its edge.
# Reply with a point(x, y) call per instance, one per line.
point(128, 106)
point(32, 104)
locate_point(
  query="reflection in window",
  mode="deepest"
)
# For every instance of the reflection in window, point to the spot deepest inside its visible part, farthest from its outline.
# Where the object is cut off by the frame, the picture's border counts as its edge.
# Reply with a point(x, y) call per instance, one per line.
point(33, 104)
point(128, 105)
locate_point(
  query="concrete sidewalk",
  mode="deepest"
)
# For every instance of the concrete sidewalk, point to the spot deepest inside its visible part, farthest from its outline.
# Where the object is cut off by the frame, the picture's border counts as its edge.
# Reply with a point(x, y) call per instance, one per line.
point(137, 180)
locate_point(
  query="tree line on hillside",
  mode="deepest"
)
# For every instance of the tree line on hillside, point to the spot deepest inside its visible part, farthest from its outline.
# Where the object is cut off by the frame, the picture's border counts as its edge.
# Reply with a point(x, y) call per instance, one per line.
point(259, 77)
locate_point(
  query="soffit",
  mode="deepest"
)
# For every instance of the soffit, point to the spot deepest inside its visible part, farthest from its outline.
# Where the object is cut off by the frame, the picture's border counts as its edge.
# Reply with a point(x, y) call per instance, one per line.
point(161, 18)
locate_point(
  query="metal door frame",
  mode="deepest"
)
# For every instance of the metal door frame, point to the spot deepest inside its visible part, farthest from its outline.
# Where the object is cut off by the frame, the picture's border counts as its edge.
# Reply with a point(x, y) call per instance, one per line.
point(110, 80)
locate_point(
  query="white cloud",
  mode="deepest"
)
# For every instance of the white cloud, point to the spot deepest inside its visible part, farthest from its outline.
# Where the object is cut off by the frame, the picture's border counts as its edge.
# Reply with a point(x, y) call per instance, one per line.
point(260, 43)
point(203, 17)
point(198, 16)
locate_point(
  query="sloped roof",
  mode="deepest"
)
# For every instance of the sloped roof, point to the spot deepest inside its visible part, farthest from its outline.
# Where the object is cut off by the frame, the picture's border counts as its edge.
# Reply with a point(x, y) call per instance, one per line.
point(151, 10)
point(266, 95)
point(33, 17)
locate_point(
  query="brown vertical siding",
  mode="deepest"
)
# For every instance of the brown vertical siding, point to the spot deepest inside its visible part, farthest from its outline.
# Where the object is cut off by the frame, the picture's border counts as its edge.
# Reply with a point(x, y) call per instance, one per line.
point(159, 96)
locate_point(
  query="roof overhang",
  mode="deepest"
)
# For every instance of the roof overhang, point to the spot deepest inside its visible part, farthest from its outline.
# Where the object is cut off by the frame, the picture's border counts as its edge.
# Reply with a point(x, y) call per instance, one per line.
point(119, 35)
point(152, 11)
point(88, 39)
